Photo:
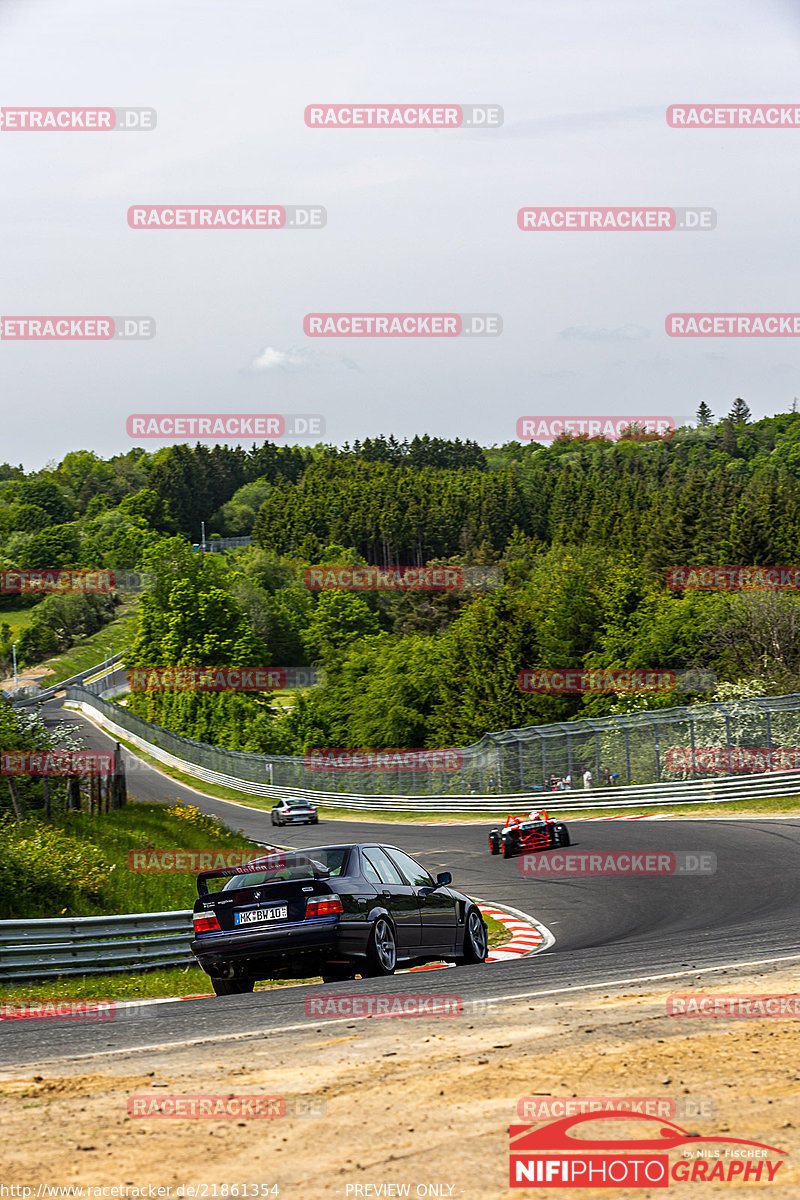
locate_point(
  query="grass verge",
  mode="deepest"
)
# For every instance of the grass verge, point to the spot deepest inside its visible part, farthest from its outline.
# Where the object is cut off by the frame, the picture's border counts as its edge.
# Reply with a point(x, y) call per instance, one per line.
point(77, 864)
point(17, 619)
point(127, 985)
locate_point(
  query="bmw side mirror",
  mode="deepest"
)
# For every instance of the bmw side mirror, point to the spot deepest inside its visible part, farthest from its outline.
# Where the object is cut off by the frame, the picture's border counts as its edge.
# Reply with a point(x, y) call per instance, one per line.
point(443, 878)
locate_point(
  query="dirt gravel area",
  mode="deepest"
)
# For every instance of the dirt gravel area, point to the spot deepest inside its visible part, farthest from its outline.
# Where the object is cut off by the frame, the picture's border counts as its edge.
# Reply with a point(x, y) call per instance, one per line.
point(415, 1107)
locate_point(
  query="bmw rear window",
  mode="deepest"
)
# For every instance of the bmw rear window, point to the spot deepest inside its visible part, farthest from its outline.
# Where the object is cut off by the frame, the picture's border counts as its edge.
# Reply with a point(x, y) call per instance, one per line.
point(312, 864)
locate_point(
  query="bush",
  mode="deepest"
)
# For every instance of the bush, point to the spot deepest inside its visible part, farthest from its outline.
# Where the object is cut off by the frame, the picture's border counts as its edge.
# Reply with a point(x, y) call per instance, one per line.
point(60, 620)
point(36, 642)
point(42, 869)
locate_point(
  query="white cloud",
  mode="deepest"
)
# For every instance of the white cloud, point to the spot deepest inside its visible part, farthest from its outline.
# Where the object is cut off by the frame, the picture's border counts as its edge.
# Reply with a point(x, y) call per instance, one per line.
point(296, 358)
point(292, 359)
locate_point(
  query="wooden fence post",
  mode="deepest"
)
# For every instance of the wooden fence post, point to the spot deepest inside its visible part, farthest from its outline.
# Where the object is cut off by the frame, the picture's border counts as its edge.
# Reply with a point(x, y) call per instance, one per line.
point(15, 801)
point(74, 793)
point(120, 783)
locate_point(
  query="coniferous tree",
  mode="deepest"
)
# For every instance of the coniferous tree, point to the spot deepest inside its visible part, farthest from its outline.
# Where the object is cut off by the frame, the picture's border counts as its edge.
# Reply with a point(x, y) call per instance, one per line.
point(740, 412)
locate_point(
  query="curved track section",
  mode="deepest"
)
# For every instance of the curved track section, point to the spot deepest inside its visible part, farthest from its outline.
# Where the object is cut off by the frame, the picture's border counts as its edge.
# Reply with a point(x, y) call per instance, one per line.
point(606, 930)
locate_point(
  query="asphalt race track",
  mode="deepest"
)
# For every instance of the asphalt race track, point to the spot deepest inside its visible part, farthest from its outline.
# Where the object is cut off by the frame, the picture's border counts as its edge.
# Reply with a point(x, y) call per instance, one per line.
point(606, 930)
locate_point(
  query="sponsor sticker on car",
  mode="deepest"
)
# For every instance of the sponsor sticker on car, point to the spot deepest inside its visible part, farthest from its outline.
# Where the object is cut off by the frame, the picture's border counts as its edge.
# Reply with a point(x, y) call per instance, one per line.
point(255, 915)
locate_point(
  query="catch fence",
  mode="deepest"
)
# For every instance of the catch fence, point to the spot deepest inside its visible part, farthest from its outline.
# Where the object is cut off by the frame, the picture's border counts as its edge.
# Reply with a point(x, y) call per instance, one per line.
point(675, 745)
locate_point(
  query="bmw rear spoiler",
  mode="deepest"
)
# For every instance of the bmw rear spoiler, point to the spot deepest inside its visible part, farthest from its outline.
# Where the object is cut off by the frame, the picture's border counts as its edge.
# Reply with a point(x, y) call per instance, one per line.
point(277, 861)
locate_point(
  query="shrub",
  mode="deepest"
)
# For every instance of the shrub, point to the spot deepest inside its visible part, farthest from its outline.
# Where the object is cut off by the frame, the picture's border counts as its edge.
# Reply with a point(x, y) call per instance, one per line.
point(43, 866)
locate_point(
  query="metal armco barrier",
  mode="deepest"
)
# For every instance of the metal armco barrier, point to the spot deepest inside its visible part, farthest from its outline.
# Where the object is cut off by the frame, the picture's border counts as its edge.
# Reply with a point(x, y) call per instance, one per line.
point(247, 773)
point(36, 695)
point(665, 795)
point(92, 945)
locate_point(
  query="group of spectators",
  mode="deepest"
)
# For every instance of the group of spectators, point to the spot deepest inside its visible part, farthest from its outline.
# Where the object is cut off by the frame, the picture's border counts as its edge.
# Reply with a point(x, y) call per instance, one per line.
point(557, 783)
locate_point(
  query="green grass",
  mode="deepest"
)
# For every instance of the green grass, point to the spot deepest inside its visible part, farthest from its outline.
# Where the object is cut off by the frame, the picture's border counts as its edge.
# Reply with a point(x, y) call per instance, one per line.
point(498, 934)
point(133, 828)
point(90, 651)
point(17, 619)
point(126, 985)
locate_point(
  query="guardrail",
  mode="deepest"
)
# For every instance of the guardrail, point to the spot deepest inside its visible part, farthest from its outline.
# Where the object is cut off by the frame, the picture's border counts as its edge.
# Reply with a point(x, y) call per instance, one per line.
point(29, 689)
point(84, 945)
point(128, 727)
point(36, 695)
point(726, 790)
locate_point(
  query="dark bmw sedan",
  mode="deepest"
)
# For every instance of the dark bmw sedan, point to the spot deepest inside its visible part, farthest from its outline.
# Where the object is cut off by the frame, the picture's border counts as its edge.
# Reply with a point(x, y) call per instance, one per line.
point(334, 911)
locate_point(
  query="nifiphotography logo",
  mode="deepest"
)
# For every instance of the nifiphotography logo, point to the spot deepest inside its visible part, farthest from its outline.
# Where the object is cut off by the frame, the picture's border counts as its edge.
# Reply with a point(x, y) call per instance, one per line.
point(581, 1152)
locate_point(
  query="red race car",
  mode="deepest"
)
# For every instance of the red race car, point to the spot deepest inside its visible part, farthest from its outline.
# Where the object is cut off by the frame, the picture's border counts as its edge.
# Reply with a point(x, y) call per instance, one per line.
point(535, 832)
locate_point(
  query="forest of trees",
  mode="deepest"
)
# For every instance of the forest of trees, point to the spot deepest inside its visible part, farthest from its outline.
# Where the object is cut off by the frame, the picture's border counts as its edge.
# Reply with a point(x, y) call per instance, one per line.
point(581, 533)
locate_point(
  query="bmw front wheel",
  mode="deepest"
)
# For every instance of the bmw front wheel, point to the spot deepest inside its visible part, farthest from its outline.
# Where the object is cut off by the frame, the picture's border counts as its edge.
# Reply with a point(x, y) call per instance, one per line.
point(475, 940)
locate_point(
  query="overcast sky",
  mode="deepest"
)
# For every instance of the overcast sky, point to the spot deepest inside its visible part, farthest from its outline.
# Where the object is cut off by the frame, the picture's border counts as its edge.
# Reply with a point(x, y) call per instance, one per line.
point(417, 220)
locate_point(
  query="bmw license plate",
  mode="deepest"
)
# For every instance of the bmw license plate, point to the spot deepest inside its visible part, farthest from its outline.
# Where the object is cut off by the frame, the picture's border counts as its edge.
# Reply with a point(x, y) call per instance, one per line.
point(256, 915)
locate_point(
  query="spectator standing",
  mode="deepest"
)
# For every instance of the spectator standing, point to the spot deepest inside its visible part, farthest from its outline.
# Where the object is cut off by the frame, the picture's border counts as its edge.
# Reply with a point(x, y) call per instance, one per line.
point(587, 778)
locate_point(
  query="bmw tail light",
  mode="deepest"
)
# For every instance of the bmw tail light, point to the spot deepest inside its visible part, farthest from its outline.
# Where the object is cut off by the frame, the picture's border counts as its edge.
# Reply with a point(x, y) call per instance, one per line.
point(324, 906)
point(206, 922)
